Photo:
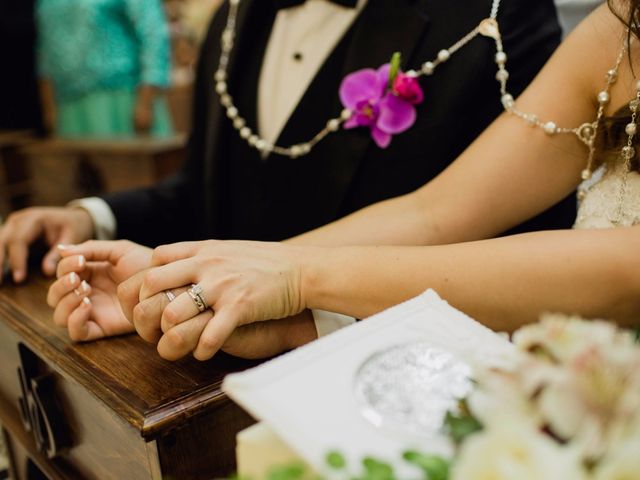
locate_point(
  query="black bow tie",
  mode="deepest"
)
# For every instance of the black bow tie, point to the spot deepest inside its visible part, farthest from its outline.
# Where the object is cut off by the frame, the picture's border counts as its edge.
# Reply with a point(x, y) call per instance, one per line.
point(292, 3)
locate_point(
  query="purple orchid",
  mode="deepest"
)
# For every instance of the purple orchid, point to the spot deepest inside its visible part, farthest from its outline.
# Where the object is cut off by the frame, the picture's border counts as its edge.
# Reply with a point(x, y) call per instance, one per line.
point(381, 102)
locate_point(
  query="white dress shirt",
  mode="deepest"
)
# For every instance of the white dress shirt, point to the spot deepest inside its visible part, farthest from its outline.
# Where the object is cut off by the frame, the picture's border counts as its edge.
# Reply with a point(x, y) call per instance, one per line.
point(301, 40)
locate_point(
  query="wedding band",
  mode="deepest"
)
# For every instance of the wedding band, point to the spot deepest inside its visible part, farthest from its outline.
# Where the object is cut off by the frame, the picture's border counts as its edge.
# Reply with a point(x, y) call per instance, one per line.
point(170, 295)
point(196, 294)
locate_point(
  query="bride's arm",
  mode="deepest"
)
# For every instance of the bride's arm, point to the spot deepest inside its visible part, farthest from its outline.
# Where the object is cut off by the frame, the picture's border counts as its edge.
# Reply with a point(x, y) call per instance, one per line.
point(503, 282)
point(512, 171)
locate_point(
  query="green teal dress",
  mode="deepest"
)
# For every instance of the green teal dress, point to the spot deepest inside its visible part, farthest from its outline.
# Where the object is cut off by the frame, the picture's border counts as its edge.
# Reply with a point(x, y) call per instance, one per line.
point(96, 53)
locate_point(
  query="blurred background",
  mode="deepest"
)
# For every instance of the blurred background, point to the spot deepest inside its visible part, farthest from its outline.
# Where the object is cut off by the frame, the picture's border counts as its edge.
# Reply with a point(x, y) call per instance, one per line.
point(95, 95)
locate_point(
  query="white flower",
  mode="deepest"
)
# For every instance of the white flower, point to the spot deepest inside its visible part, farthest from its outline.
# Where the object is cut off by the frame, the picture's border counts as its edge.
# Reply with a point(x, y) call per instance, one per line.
point(595, 398)
point(512, 451)
point(564, 337)
point(499, 397)
point(622, 463)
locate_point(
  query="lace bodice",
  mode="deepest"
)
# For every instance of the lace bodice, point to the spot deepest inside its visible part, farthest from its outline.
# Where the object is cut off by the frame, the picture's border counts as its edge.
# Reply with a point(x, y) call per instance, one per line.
point(614, 201)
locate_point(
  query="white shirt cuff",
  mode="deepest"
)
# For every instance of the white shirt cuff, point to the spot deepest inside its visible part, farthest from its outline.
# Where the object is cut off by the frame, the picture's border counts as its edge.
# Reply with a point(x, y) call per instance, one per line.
point(104, 221)
point(329, 322)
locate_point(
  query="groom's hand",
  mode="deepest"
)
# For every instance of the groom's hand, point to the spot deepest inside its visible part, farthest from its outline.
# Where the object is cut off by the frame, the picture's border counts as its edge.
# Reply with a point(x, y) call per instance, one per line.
point(55, 225)
point(146, 315)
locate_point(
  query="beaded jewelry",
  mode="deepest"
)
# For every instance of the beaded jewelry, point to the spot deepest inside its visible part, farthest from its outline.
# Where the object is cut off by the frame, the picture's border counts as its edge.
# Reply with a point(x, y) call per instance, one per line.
point(586, 132)
point(488, 27)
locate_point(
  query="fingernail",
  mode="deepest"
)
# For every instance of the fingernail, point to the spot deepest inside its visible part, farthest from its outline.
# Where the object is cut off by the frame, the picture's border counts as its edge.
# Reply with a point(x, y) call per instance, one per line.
point(18, 276)
point(62, 246)
point(81, 261)
point(73, 278)
point(85, 286)
point(86, 301)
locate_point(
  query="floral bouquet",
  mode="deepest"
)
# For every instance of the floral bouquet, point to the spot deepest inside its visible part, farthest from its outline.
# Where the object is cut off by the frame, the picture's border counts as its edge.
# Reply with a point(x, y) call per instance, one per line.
point(567, 407)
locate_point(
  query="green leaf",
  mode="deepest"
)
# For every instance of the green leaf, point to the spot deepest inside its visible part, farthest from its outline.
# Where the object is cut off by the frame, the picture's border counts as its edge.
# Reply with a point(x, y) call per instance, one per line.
point(461, 426)
point(394, 69)
point(433, 466)
point(294, 471)
point(336, 460)
point(377, 470)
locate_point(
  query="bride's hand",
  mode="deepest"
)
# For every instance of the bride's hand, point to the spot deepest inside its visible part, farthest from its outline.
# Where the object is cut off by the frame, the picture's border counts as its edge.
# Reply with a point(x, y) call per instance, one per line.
point(85, 294)
point(243, 282)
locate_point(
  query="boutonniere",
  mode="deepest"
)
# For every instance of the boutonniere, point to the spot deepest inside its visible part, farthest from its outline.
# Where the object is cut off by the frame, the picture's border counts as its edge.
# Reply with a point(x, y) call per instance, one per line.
point(383, 100)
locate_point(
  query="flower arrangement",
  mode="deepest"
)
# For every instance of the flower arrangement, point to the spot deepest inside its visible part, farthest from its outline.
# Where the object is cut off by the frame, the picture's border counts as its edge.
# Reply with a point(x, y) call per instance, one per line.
point(567, 406)
point(383, 100)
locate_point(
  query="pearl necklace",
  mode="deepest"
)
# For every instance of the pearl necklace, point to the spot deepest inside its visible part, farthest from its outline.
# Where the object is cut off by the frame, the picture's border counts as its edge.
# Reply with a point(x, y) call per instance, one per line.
point(587, 132)
point(488, 27)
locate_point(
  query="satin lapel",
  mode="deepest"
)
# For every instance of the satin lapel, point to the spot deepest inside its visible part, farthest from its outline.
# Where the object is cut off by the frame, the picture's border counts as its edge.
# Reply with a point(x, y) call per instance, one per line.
point(215, 118)
point(385, 27)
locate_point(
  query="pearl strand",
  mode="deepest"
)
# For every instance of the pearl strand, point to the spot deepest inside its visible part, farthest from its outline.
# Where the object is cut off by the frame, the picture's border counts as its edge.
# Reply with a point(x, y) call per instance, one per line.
point(627, 154)
point(488, 27)
point(586, 132)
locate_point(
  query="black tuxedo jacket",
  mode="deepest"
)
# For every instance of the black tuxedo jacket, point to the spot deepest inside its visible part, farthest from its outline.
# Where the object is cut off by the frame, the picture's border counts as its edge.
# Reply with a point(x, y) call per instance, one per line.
point(225, 190)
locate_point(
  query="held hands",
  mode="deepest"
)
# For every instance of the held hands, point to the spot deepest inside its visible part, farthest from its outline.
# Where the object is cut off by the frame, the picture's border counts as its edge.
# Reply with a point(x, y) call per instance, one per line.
point(103, 285)
point(242, 282)
point(85, 294)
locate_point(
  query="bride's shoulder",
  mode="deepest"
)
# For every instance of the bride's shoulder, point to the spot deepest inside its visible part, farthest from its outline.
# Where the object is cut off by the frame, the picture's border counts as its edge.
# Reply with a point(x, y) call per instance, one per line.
point(594, 45)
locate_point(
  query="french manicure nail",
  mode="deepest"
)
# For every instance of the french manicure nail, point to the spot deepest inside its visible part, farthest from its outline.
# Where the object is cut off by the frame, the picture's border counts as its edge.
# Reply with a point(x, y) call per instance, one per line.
point(73, 278)
point(81, 261)
point(62, 246)
point(85, 286)
point(86, 301)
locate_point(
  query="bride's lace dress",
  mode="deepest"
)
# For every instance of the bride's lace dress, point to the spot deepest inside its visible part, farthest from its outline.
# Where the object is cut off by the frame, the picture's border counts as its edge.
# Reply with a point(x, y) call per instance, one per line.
point(614, 201)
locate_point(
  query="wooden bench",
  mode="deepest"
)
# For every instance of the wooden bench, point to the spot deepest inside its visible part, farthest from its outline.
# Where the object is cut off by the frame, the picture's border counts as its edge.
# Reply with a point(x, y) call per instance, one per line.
point(88, 167)
point(111, 409)
point(15, 185)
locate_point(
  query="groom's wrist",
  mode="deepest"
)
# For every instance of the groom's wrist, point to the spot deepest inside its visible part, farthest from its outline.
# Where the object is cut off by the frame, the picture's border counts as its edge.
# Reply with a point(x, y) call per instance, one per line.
point(302, 330)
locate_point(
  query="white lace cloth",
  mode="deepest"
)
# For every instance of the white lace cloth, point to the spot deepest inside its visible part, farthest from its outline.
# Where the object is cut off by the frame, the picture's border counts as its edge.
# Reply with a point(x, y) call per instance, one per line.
point(612, 202)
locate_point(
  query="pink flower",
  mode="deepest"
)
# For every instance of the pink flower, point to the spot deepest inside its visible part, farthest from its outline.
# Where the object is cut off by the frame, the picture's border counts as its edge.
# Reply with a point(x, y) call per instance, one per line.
point(386, 112)
point(408, 89)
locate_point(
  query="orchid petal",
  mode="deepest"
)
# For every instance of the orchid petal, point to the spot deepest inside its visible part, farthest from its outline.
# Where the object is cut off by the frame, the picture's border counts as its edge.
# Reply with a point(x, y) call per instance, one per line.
point(382, 139)
point(352, 122)
point(396, 115)
point(360, 86)
point(383, 79)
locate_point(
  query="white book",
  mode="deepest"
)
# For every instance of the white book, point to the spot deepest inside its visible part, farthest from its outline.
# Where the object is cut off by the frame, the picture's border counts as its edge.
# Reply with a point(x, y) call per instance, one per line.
point(338, 392)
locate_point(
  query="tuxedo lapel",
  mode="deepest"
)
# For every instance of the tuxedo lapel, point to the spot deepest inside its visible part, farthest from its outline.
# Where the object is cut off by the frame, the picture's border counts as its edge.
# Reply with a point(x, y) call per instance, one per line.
point(216, 115)
point(383, 27)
